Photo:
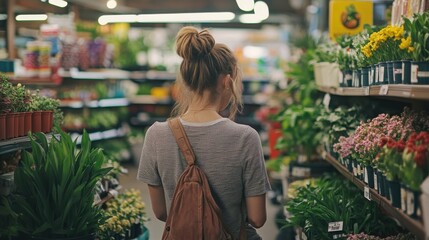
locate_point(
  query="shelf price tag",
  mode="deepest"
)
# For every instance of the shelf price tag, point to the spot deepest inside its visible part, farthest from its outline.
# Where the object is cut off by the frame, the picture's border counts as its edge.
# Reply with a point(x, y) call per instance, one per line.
point(383, 90)
point(335, 226)
point(366, 193)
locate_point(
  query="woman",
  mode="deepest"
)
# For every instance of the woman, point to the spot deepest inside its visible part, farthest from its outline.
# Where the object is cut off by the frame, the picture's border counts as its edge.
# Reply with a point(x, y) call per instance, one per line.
point(230, 154)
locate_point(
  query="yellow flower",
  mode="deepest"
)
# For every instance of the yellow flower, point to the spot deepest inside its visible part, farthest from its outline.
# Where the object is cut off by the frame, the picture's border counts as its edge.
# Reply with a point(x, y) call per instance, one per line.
point(410, 49)
point(405, 43)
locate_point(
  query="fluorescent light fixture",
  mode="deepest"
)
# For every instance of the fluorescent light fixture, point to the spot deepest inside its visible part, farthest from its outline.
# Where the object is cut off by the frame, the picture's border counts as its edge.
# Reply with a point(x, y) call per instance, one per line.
point(186, 17)
point(169, 18)
point(31, 17)
point(249, 18)
point(111, 4)
point(58, 3)
point(3, 17)
point(261, 10)
point(126, 18)
point(254, 52)
point(246, 5)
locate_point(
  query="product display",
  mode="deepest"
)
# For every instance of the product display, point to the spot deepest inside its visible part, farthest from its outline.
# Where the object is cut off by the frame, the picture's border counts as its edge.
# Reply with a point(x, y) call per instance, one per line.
point(337, 90)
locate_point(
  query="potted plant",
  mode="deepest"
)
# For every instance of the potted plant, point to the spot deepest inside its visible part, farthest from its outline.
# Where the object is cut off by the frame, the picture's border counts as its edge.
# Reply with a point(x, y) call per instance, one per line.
point(48, 110)
point(418, 31)
point(125, 216)
point(7, 120)
point(415, 168)
point(55, 188)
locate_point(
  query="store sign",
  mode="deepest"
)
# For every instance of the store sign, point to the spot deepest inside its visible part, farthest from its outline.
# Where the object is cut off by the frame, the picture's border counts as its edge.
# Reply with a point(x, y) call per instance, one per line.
point(349, 17)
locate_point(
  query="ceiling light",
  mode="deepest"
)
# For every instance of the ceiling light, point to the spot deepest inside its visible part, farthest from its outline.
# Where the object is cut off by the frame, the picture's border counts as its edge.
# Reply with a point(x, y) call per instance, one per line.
point(245, 5)
point(111, 4)
point(169, 18)
point(31, 17)
point(186, 17)
point(58, 3)
point(261, 10)
point(249, 18)
point(126, 18)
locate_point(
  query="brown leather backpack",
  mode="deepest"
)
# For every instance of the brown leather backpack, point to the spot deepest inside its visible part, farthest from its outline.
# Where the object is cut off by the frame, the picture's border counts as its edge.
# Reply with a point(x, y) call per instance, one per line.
point(194, 214)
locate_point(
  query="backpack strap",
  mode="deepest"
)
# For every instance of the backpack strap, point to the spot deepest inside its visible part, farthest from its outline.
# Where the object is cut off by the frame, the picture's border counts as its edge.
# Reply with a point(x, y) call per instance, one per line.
point(182, 140)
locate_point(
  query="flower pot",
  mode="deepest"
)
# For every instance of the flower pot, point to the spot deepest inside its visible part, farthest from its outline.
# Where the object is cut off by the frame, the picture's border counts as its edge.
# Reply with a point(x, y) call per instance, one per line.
point(404, 198)
point(406, 71)
point(371, 75)
point(394, 193)
point(375, 178)
point(413, 206)
point(420, 72)
point(51, 120)
point(369, 176)
point(365, 74)
point(381, 188)
point(376, 74)
point(36, 124)
point(6, 183)
point(397, 72)
point(382, 73)
point(347, 78)
point(144, 235)
point(10, 125)
point(21, 120)
point(2, 126)
point(16, 125)
point(27, 122)
point(390, 72)
point(386, 188)
point(46, 122)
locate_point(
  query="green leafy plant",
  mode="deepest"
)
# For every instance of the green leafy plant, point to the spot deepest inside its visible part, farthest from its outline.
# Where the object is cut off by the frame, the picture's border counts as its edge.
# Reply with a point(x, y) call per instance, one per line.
point(331, 199)
point(44, 103)
point(55, 187)
point(300, 137)
point(418, 30)
point(6, 91)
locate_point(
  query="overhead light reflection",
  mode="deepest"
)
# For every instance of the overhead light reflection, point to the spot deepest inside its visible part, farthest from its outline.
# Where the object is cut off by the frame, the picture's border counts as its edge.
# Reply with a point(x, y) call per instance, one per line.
point(249, 18)
point(261, 10)
point(31, 17)
point(111, 4)
point(246, 5)
point(58, 3)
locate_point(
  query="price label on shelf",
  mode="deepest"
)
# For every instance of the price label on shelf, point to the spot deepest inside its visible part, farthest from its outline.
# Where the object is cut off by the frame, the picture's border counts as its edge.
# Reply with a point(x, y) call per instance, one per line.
point(384, 89)
point(366, 193)
point(335, 226)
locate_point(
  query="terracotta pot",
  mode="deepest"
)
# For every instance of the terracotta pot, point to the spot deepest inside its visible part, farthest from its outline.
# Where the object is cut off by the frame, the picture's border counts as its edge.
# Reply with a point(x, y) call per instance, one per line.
point(51, 120)
point(27, 122)
point(10, 125)
point(21, 116)
point(2, 126)
point(46, 123)
point(36, 124)
point(16, 125)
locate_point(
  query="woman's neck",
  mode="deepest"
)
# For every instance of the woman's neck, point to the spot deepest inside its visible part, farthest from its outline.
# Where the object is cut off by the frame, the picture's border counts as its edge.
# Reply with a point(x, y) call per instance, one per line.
point(201, 113)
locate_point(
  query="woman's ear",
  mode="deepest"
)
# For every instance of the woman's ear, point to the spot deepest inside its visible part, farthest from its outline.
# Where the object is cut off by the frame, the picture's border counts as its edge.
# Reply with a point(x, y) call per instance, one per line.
point(226, 81)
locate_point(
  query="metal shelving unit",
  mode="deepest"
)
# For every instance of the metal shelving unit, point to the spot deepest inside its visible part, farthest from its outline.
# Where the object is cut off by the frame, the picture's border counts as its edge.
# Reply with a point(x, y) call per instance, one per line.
point(405, 91)
point(411, 224)
point(18, 143)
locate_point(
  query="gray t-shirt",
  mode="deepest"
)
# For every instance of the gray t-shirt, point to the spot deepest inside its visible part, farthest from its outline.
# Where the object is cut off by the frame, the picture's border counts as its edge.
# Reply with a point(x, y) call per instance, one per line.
point(230, 155)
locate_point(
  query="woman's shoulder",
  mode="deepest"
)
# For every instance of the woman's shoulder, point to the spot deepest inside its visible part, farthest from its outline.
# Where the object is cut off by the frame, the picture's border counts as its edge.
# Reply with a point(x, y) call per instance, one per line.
point(158, 129)
point(242, 129)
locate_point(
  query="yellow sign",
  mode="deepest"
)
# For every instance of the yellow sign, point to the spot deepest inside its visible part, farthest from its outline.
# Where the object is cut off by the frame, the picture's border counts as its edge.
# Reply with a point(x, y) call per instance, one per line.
point(349, 17)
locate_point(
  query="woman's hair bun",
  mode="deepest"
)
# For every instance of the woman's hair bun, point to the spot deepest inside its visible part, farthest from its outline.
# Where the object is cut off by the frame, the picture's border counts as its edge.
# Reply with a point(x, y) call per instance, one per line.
point(191, 44)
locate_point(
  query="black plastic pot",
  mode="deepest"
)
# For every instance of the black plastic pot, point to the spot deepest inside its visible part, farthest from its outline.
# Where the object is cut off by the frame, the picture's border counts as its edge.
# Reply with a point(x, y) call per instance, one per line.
point(422, 72)
point(365, 76)
point(397, 72)
point(406, 71)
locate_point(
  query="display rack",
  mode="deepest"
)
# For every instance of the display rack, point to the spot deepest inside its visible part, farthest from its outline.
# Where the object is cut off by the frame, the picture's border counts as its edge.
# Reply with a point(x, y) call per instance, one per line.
point(406, 91)
point(102, 103)
point(18, 143)
point(414, 226)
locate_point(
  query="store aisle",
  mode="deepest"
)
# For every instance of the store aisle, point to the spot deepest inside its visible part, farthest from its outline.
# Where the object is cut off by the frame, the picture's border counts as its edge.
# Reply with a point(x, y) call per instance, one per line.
point(268, 232)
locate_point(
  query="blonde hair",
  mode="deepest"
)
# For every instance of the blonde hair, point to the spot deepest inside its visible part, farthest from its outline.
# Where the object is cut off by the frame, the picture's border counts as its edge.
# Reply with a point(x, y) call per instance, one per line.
point(204, 61)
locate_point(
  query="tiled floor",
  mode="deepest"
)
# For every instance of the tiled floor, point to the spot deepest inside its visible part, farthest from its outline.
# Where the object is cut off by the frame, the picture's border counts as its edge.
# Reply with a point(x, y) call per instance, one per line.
point(268, 232)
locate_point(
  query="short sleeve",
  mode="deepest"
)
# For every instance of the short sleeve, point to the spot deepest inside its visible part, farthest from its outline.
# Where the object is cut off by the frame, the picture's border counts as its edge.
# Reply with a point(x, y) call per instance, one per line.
point(255, 174)
point(148, 167)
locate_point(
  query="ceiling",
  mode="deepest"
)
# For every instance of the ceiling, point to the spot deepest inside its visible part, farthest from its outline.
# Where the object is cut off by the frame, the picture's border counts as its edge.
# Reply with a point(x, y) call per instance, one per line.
point(281, 11)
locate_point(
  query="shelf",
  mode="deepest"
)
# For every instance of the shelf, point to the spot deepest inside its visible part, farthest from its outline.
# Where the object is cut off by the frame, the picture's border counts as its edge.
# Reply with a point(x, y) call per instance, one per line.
point(406, 91)
point(148, 99)
point(18, 143)
point(135, 121)
point(102, 103)
point(95, 74)
point(101, 135)
point(411, 224)
point(47, 81)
